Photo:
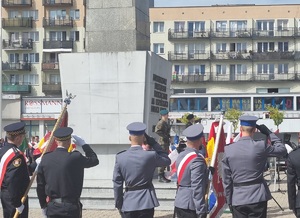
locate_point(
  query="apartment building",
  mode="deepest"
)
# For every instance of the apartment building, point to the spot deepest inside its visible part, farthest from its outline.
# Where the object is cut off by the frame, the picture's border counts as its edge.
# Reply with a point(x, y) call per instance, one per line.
point(231, 56)
point(34, 33)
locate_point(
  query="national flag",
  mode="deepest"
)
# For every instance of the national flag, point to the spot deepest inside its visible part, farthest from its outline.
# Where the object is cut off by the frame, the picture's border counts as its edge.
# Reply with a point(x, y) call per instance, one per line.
point(24, 145)
point(216, 199)
point(229, 138)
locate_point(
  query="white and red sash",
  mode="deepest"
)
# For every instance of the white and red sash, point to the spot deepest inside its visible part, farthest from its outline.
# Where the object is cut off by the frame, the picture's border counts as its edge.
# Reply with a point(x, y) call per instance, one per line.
point(183, 164)
point(6, 158)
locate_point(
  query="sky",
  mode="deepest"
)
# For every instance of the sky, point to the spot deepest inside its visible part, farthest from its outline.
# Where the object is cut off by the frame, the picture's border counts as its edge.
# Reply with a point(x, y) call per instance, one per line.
point(178, 3)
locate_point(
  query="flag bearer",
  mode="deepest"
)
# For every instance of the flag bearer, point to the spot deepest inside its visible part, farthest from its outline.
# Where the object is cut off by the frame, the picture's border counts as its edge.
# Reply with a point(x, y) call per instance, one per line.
point(135, 167)
point(60, 176)
point(192, 176)
point(244, 161)
point(14, 172)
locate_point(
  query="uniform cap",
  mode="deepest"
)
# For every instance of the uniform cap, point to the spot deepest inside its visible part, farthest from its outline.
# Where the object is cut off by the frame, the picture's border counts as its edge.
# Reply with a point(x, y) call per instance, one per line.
point(193, 132)
point(63, 133)
point(136, 128)
point(164, 112)
point(190, 116)
point(247, 120)
point(15, 128)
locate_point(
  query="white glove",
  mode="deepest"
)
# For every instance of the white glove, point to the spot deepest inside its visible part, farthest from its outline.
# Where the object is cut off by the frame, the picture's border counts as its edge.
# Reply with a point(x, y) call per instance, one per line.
point(20, 209)
point(38, 160)
point(44, 215)
point(78, 140)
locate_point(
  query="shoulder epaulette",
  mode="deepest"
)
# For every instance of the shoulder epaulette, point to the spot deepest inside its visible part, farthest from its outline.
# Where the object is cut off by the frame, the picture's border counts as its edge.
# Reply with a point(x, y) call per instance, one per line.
point(121, 152)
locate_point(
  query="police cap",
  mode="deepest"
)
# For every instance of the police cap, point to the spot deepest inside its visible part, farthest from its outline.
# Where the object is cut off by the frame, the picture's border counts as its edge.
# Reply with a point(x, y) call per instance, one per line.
point(63, 133)
point(193, 132)
point(164, 112)
point(15, 128)
point(136, 128)
point(247, 120)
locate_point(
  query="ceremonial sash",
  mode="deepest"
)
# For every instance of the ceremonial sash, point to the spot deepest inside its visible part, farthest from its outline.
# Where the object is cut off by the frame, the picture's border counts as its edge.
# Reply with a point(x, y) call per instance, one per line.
point(183, 164)
point(6, 158)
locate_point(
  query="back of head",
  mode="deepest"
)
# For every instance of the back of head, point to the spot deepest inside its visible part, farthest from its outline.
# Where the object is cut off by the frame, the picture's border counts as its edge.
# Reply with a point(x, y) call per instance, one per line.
point(13, 131)
point(136, 132)
point(248, 124)
point(63, 136)
point(193, 135)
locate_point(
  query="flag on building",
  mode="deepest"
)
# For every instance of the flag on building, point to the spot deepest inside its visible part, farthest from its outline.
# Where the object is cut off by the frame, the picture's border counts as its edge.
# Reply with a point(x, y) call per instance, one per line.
point(217, 201)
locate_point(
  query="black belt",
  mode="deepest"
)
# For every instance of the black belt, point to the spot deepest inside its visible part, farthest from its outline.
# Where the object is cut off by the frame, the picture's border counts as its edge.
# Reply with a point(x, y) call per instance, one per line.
point(257, 181)
point(65, 200)
point(134, 188)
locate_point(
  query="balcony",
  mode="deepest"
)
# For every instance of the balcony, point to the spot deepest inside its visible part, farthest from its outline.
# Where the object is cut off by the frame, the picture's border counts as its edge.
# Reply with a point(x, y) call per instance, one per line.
point(12, 88)
point(47, 65)
point(26, 22)
point(191, 78)
point(231, 55)
point(20, 66)
point(53, 22)
point(16, 3)
point(185, 34)
point(51, 88)
point(231, 33)
point(57, 3)
point(191, 55)
point(273, 55)
point(57, 46)
point(15, 45)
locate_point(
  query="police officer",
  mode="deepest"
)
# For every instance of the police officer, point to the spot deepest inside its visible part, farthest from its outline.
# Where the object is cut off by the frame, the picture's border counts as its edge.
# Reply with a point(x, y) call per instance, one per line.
point(16, 172)
point(135, 167)
point(293, 180)
point(191, 120)
point(192, 176)
point(244, 162)
point(162, 129)
point(60, 176)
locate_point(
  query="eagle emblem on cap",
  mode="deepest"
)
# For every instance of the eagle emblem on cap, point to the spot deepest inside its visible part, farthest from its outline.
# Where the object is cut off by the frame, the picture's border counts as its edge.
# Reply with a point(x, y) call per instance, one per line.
point(17, 162)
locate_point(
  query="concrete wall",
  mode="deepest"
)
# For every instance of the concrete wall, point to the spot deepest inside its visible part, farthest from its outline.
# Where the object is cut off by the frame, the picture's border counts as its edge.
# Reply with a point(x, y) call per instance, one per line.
point(112, 90)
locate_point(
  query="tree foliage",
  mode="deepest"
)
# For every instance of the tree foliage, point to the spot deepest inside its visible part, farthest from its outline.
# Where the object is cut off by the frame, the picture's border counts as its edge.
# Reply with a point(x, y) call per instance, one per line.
point(276, 115)
point(233, 116)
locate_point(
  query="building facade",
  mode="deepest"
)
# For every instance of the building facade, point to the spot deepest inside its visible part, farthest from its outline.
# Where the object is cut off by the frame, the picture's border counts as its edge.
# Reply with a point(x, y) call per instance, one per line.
point(34, 33)
point(233, 56)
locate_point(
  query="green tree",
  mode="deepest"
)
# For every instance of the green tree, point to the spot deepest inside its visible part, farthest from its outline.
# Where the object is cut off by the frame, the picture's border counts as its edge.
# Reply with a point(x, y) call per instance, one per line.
point(275, 115)
point(233, 116)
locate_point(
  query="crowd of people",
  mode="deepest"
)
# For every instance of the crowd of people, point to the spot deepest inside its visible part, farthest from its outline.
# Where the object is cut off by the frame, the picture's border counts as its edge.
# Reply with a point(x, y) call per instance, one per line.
point(60, 173)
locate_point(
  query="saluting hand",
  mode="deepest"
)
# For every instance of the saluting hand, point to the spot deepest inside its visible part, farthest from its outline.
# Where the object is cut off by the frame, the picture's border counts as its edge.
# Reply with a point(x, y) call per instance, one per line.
point(78, 140)
point(263, 129)
point(150, 140)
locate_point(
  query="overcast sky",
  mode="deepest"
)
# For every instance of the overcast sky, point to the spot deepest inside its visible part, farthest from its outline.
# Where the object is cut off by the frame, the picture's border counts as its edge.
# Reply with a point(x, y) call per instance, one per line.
point(178, 3)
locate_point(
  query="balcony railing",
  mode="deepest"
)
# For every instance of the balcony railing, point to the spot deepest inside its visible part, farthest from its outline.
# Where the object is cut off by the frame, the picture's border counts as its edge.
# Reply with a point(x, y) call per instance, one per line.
point(58, 3)
point(192, 55)
point(20, 66)
point(274, 55)
point(51, 88)
point(16, 3)
point(17, 44)
point(190, 78)
point(47, 65)
point(26, 22)
point(53, 22)
point(16, 88)
point(58, 44)
point(228, 55)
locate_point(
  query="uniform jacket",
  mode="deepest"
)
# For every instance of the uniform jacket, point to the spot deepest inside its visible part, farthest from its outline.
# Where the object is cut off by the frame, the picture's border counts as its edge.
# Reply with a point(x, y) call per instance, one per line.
point(135, 167)
point(60, 173)
point(293, 179)
point(162, 129)
point(16, 178)
point(191, 192)
point(244, 161)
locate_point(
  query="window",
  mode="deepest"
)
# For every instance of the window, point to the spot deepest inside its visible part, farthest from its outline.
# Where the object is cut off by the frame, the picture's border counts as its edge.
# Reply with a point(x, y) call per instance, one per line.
point(198, 26)
point(196, 48)
point(30, 35)
point(265, 46)
point(221, 69)
point(58, 35)
point(238, 25)
point(265, 68)
point(265, 27)
point(283, 68)
point(158, 48)
point(197, 69)
point(221, 26)
point(74, 35)
point(31, 57)
point(31, 13)
point(283, 46)
point(241, 69)
point(282, 25)
point(179, 48)
point(220, 47)
point(282, 103)
point(179, 26)
point(179, 69)
point(13, 14)
point(14, 58)
point(14, 36)
point(75, 14)
point(32, 79)
point(238, 47)
point(58, 14)
point(158, 27)
point(54, 79)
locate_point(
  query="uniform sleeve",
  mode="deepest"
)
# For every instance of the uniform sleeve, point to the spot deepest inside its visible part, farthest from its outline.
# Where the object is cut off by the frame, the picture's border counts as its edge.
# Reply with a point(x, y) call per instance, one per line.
point(162, 158)
point(277, 148)
point(90, 159)
point(291, 184)
point(118, 181)
point(41, 185)
point(199, 183)
point(227, 180)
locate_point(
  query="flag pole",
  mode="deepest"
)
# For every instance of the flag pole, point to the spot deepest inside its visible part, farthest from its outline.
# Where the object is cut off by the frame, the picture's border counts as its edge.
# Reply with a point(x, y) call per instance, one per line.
point(67, 101)
point(214, 156)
